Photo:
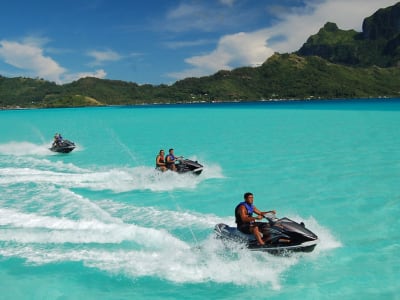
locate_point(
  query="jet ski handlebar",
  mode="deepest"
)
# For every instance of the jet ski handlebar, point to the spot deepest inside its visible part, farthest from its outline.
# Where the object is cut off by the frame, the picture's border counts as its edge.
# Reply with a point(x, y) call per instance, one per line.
point(271, 217)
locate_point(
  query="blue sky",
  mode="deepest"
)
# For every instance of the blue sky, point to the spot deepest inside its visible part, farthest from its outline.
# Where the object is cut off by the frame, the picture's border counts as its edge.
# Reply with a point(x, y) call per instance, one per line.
point(159, 41)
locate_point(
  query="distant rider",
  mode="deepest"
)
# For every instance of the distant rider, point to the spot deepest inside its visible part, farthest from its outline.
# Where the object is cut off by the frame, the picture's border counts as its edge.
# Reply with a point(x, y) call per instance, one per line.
point(57, 140)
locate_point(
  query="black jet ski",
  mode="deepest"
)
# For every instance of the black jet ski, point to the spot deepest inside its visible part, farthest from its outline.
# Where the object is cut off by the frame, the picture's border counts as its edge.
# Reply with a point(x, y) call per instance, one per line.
point(65, 146)
point(184, 165)
point(284, 236)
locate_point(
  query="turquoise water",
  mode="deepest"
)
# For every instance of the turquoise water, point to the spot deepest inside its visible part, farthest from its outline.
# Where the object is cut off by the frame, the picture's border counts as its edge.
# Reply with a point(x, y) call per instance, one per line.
point(101, 223)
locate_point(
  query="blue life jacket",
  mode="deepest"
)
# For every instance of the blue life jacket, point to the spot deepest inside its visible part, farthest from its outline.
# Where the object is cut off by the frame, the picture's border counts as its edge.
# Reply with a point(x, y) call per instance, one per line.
point(249, 208)
point(172, 157)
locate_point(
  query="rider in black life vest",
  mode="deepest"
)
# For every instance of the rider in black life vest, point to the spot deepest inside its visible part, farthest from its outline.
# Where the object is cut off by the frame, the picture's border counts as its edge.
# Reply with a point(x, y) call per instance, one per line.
point(245, 221)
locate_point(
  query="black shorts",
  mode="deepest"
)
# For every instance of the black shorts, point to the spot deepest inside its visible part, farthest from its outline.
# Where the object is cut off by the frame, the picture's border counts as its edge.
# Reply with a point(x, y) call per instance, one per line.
point(245, 228)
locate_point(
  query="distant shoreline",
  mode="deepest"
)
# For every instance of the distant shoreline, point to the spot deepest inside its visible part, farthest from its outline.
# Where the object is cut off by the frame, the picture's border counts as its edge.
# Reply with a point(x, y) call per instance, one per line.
point(200, 103)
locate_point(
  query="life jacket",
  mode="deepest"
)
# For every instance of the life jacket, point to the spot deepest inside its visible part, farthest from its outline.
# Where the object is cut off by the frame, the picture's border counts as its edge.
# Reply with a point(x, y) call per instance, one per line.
point(158, 162)
point(169, 163)
point(249, 208)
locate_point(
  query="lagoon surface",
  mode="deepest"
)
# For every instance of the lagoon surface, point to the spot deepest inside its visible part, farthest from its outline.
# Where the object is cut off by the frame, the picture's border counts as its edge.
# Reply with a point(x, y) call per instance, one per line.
point(101, 223)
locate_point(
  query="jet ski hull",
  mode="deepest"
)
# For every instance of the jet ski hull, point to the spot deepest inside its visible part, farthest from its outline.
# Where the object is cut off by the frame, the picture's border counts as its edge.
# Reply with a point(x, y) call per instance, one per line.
point(285, 236)
point(282, 248)
point(65, 147)
point(188, 166)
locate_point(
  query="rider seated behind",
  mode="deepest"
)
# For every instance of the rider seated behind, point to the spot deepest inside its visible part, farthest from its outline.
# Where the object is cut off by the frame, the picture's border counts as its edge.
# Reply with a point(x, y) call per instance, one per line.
point(245, 221)
point(160, 161)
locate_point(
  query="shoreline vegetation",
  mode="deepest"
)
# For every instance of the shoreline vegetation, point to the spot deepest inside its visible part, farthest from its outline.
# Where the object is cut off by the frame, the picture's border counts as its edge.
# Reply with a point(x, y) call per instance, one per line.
point(156, 104)
point(332, 64)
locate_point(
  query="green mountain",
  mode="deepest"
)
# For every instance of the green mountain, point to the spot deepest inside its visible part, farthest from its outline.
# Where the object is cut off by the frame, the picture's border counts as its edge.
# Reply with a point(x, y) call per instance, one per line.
point(378, 44)
point(333, 63)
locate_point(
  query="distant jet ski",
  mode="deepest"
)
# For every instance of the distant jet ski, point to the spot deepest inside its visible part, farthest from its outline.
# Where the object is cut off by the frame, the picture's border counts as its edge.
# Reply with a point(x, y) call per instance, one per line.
point(285, 235)
point(65, 146)
point(184, 165)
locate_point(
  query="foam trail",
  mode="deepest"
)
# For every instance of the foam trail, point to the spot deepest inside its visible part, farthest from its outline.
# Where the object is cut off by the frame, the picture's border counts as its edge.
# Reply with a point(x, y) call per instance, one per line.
point(24, 148)
point(32, 228)
point(167, 219)
point(15, 148)
point(108, 243)
point(114, 179)
point(210, 263)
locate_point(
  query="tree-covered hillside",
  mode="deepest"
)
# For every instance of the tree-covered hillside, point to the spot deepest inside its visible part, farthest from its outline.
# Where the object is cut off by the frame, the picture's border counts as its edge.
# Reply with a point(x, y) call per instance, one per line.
point(333, 63)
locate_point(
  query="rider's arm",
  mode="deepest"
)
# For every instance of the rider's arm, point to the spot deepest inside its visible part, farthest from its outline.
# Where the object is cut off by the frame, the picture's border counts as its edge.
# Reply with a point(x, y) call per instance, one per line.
point(244, 216)
point(261, 213)
point(268, 212)
point(258, 212)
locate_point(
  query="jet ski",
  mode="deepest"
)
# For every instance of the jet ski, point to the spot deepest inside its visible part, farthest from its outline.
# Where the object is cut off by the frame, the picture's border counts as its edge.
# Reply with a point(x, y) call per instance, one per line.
point(65, 146)
point(184, 165)
point(284, 236)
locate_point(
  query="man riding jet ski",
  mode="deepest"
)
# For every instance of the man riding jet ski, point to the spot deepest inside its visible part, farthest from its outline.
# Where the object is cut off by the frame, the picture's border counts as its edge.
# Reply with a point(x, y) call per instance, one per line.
point(276, 236)
point(61, 145)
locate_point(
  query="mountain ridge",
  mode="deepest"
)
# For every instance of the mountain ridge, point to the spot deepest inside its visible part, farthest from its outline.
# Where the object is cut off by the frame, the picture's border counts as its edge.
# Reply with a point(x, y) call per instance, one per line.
point(333, 63)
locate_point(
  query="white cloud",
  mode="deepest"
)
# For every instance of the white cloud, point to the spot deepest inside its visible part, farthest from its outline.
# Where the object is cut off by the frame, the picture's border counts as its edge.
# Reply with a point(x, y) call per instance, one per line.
point(240, 49)
point(288, 35)
point(227, 2)
point(197, 16)
point(97, 74)
point(232, 51)
point(236, 49)
point(183, 44)
point(29, 56)
point(101, 57)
